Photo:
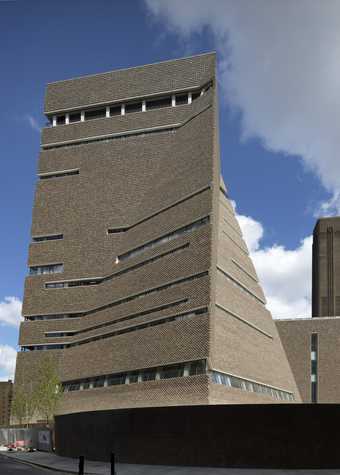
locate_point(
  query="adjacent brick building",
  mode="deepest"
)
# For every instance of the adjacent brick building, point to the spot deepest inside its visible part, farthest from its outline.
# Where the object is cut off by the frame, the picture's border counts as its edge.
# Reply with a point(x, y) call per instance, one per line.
point(140, 284)
point(312, 349)
point(6, 393)
point(326, 268)
point(312, 344)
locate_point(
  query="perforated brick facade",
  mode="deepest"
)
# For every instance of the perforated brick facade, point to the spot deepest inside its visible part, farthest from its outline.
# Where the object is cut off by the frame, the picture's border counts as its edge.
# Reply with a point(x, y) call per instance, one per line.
point(154, 267)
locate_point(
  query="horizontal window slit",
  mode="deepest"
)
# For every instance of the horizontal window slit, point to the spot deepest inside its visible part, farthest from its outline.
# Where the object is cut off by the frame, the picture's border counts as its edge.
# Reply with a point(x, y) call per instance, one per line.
point(189, 368)
point(134, 316)
point(117, 230)
point(75, 117)
point(86, 282)
point(158, 103)
point(130, 298)
point(48, 237)
point(47, 269)
point(95, 114)
point(115, 110)
point(163, 239)
point(133, 107)
point(60, 119)
point(250, 386)
point(181, 99)
point(59, 174)
point(179, 317)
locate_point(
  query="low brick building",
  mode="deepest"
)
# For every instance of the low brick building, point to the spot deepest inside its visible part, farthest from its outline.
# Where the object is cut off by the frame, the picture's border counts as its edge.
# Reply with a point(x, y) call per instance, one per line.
point(6, 394)
point(312, 344)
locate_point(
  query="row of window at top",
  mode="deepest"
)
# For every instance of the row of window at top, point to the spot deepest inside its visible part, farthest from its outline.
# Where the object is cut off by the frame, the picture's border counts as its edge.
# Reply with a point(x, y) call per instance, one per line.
point(126, 108)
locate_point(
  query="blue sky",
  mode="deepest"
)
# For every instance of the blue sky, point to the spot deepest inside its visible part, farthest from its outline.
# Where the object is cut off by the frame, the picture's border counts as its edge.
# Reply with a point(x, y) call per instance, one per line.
point(276, 175)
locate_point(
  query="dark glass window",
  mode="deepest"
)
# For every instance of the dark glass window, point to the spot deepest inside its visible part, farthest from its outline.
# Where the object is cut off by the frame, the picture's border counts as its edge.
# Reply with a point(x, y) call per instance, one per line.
point(74, 387)
point(60, 119)
point(86, 385)
point(50, 237)
point(74, 117)
point(174, 371)
point(79, 283)
point(55, 285)
point(116, 110)
point(314, 391)
point(133, 107)
point(59, 174)
point(99, 382)
point(133, 377)
point(158, 103)
point(181, 99)
point(195, 95)
point(236, 382)
point(149, 375)
point(49, 269)
point(116, 230)
point(314, 367)
point(197, 367)
point(95, 114)
point(116, 379)
point(314, 342)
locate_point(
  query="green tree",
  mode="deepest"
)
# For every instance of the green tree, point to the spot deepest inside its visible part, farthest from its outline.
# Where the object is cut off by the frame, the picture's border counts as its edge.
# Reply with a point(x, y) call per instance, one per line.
point(24, 403)
point(48, 390)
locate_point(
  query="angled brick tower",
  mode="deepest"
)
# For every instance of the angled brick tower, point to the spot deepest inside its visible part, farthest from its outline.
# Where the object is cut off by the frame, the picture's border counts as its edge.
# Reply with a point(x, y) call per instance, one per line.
point(141, 286)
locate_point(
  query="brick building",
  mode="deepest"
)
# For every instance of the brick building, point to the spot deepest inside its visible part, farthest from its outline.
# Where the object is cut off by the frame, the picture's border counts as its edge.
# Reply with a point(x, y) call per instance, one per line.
point(312, 349)
point(6, 392)
point(312, 344)
point(140, 284)
point(326, 268)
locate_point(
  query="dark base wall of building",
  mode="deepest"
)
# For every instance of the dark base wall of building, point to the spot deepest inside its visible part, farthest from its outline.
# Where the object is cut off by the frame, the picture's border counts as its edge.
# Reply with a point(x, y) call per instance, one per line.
point(264, 436)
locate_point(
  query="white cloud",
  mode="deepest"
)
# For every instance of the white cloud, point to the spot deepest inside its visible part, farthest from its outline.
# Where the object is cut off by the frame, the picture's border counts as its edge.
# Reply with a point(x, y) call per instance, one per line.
point(7, 362)
point(285, 274)
point(10, 311)
point(280, 68)
point(33, 123)
point(252, 231)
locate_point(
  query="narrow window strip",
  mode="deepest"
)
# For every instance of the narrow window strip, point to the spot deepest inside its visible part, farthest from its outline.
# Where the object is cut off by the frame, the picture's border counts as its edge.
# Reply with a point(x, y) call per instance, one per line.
point(243, 384)
point(121, 301)
point(58, 174)
point(47, 237)
point(164, 238)
point(99, 280)
point(183, 369)
point(152, 323)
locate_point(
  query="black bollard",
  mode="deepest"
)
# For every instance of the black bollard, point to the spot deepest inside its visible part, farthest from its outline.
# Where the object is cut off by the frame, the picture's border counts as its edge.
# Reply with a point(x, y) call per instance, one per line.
point(81, 464)
point(113, 472)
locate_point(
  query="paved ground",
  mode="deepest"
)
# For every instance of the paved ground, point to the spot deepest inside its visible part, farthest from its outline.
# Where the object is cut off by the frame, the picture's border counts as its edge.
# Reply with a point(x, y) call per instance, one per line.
point(10, 466)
